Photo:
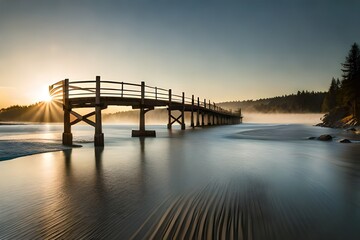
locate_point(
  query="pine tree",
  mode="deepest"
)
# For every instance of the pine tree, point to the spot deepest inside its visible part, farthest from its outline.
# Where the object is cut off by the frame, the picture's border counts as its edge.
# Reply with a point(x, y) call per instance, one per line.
point(351, 80)
point(331, 98)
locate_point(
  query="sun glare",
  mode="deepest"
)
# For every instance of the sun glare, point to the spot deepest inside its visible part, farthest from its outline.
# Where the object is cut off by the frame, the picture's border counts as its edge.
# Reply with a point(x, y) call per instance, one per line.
point(46, 98)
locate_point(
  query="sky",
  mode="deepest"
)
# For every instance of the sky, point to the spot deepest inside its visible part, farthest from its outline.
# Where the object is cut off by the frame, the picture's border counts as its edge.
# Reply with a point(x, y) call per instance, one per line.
point(218, 50)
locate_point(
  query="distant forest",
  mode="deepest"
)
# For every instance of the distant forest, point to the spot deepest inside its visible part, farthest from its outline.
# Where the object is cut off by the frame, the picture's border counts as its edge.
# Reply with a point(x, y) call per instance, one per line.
point(302, 102)
point(38, 112)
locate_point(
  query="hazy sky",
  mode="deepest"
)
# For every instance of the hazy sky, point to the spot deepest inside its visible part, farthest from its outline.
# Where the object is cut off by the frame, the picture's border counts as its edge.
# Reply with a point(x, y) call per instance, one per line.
point(222, 50)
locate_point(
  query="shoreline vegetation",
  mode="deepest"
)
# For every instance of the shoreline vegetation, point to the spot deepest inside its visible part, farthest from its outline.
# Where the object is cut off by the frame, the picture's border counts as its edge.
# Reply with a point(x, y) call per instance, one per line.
point(342, 101)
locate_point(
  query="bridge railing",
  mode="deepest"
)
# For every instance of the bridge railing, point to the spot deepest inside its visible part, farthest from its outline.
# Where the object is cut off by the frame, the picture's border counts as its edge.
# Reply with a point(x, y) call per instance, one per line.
point(107, 88)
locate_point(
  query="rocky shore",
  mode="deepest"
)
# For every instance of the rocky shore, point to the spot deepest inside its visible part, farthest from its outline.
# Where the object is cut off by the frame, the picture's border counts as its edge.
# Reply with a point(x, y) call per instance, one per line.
point(339, 118)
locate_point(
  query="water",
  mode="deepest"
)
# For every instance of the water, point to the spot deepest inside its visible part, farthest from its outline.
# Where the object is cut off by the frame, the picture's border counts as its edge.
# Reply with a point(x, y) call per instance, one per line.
point(250, 181)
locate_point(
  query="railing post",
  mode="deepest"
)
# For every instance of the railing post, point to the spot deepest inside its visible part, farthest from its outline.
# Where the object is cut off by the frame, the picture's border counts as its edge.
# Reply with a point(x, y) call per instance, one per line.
point(67, 135)
point(142, 93)
point(198, 113)
point(155, 93)
point(99, 136)
point(169, 111)
point(122, 89)
point(192, 111)
point(183, 112)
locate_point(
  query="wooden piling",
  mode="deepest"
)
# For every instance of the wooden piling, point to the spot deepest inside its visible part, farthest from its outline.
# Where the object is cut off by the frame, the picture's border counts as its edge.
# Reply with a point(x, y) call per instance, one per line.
point(67, 137)
point(203, 115)
point(209, 114)
point(142, 132)
point(183, 112)
point(198, 113)
point(169, 111)
point(192, 112)
point(213, 116)
point(142, 112)
point(99, 136)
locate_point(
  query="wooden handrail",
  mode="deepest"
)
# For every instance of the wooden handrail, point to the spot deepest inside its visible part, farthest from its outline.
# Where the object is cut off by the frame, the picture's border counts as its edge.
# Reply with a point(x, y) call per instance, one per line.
point(129, 90)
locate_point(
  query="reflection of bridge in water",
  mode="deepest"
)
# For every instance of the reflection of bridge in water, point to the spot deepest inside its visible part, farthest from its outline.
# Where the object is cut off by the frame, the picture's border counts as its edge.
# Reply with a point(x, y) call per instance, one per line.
point(101, 94)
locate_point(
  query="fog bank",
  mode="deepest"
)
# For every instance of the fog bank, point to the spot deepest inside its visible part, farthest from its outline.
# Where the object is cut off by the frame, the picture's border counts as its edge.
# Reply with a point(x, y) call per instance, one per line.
point(304, 118)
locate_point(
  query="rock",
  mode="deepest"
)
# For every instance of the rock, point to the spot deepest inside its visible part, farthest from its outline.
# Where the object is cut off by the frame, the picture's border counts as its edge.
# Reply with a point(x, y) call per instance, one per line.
point(345, 140)
point(325, 137)
point(351, 130)
point(311, 138)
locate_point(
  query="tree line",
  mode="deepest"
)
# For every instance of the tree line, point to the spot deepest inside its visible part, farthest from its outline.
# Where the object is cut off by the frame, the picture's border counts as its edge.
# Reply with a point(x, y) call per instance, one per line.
point(301, 102)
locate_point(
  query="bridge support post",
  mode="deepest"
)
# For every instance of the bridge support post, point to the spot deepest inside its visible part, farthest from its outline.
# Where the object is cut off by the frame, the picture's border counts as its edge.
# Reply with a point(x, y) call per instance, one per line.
point(240, 117)
point(192, 112)
point(142, 132)
point(169, 111)
point(209, 114)
point(180, 118)
point(203, 114)
point(198, 113)
point(213, 116)
point(143, 110)
point(67, 138)
point(183, 112)
point(99, 136)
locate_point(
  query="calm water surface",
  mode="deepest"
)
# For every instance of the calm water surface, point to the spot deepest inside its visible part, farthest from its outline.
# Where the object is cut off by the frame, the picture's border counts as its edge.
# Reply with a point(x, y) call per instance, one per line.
point(250, 181)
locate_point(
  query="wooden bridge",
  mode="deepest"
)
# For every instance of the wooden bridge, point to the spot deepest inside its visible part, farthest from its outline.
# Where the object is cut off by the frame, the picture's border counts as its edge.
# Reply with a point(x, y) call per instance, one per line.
point(101, 94)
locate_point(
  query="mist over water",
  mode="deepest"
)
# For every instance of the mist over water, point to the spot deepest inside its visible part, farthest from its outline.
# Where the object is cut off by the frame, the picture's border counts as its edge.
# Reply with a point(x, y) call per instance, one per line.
point(300, 118)
point(160, 117)
point(249, 181)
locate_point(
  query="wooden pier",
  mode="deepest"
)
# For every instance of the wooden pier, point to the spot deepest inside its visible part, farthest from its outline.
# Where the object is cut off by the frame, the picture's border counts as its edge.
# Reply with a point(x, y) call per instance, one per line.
point(100, 94)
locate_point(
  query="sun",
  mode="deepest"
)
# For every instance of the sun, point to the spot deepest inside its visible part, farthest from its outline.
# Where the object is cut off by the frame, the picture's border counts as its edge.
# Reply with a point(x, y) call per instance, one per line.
point(46, 97)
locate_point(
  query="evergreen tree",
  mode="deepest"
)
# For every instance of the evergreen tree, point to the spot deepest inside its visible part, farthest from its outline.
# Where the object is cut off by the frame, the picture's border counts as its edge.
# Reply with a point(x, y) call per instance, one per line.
point(351, 81)
point(330, 101)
